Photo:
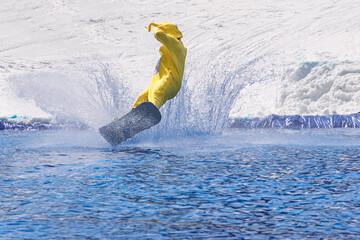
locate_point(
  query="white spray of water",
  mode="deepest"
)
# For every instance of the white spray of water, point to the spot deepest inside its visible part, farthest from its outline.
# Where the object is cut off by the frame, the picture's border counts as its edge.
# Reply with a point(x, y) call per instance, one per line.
point(202, 105)
point(93, 100)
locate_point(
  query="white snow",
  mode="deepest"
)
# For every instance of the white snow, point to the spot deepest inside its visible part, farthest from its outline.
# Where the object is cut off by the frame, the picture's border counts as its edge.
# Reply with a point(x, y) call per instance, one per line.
point(245, 58)
point(322, 88)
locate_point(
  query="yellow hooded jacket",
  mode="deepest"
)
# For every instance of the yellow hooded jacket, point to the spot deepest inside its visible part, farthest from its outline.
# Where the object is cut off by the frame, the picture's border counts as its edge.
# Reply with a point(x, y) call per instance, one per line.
point(166, 82)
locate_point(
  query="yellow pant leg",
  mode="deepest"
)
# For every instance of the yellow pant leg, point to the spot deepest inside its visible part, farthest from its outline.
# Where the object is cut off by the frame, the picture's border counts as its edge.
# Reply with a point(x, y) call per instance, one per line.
point(157, 94)
point(143, 97)
point(161, 91)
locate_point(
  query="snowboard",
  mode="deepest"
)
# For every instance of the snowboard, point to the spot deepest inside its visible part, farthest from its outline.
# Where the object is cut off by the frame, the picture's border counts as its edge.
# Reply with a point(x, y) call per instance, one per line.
point(138, 119)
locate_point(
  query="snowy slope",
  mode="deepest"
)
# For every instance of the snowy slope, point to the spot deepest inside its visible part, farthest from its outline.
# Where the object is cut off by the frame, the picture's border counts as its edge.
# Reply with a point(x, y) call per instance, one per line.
point(310, 88)
point(88, 60)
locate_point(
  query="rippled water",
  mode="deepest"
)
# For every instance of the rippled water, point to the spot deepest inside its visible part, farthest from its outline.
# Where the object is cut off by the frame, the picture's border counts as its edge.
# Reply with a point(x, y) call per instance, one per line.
point(247, 184)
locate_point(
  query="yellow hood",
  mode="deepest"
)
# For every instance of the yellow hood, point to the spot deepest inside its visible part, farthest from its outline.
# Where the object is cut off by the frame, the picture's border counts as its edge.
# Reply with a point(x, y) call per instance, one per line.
point(168, 28)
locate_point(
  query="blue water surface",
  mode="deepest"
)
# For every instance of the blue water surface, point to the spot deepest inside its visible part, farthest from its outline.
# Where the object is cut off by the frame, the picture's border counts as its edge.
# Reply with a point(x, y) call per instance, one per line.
point(249, 184)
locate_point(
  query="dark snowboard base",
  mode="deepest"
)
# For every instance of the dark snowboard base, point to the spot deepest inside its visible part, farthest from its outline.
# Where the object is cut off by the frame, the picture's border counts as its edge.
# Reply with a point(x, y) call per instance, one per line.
point(138, 119)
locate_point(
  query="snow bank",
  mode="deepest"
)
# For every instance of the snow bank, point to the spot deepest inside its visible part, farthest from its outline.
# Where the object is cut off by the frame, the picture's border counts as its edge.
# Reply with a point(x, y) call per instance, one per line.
point(309, 88)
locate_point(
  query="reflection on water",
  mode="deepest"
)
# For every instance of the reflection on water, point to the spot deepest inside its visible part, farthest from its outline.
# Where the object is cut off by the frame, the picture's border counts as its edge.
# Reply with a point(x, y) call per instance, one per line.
point(248, 184)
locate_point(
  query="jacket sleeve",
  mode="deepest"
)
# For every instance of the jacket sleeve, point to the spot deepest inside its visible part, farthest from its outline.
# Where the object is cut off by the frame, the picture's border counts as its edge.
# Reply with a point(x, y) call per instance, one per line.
point(165, 39)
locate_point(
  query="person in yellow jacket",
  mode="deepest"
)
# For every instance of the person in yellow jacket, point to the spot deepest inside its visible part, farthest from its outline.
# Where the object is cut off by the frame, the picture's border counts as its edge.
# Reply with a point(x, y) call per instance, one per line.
point(166, 81)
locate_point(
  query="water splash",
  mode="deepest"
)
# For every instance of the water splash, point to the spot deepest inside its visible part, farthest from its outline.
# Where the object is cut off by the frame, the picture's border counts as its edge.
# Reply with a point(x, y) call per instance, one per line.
point(92, 100)
point(201, 107)
point(108, 90)
point(203, 104)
